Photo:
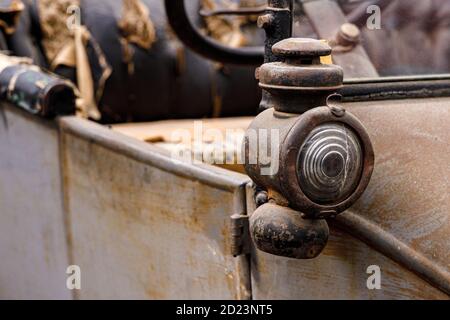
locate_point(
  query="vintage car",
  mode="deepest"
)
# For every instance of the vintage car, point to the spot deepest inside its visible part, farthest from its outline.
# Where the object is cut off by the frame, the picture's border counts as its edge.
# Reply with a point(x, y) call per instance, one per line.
point(368, 218)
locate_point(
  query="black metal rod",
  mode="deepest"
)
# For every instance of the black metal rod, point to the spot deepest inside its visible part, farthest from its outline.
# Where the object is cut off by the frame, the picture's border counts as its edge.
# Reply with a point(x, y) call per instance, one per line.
point(191, 37)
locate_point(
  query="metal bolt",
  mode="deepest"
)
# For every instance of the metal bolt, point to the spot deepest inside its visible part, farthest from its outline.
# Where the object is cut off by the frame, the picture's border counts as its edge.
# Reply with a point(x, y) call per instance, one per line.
point(348, 35)
point(261, 198)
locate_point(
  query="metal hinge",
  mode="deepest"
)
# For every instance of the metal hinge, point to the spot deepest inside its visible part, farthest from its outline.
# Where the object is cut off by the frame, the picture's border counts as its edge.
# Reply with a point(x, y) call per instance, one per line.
point(240, 236)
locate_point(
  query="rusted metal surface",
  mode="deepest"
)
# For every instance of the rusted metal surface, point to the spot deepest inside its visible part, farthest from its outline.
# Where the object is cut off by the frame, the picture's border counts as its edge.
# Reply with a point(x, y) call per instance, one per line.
point(323, 159)
point(300, 82)
point(112, 218)
point(151, 155)
point(277, 23)
point(33, 247)
point(294, 130)
point(115, 194)
point(282, 231)
point(340, 272)
point(396, 88)
point(411, 178)
point(395, 249)
point(130, 241)
point(402, 215)
point(240, 235)
point(318, 173)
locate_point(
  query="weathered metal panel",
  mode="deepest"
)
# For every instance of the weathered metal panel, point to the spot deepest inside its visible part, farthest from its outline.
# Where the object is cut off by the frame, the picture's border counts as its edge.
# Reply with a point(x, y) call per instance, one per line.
point(339, 273)
point(33, 248)
point(143, 225)
point(409, 194)
point(146, 226)
point(407, 199)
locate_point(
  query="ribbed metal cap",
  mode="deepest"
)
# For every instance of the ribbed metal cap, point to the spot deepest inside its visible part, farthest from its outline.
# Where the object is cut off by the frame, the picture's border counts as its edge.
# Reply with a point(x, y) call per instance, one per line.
point(301, 67)
point(301, 47)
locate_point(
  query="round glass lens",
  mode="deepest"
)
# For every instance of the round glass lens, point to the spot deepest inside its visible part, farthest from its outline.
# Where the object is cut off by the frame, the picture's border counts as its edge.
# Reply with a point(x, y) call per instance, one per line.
point(330, 163)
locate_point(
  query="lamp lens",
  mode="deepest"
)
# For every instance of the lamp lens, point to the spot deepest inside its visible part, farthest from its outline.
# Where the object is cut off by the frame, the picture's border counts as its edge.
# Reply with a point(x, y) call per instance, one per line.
point(330, 163)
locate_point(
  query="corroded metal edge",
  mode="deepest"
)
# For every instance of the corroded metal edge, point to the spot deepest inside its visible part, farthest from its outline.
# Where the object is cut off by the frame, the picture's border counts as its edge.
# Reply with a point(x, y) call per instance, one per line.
point(243, 262)
point(398, 88)
point(393, 248)
point(155, 156)
point(5, 105)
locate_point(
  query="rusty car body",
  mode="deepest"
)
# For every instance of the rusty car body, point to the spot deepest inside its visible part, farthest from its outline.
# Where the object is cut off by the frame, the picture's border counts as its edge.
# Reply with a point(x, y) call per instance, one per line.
point(142, 224)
